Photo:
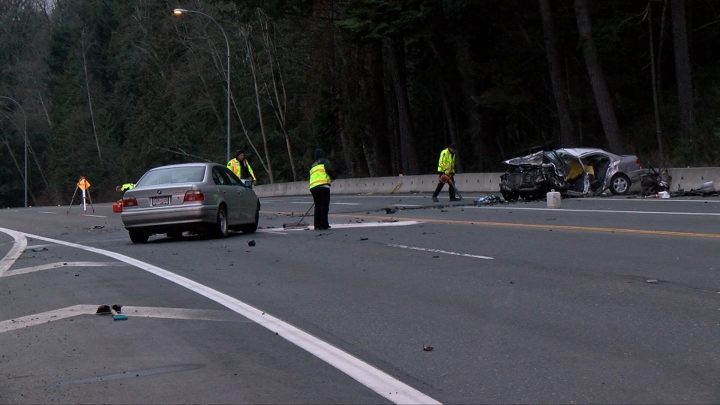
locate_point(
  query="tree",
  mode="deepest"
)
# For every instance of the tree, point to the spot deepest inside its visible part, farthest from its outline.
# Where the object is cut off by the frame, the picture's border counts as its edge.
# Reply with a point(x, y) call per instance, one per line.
point(568, 137)
point(597, 78)
point(683, 76)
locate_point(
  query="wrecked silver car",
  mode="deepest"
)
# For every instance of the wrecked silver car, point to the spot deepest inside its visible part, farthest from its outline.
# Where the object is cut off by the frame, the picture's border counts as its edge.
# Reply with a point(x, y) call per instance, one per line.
point(571, 171)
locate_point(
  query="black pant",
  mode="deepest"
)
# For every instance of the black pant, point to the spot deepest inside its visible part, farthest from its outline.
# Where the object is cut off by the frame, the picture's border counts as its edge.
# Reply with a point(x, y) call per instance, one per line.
point(321, 197)
point(451, 188)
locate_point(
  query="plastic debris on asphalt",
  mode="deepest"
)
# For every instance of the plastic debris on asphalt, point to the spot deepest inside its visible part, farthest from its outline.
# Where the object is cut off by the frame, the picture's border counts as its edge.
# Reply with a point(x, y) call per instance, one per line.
point(488, 199)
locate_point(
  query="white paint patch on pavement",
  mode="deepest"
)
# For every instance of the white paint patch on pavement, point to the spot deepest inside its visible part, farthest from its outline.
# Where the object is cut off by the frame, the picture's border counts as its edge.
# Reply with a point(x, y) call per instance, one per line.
point(375, 379)
point(445, 252)
point(135, 312)
point(19, 246)
point(96, 216)
point(341, 226)
point(341, 203)
point(49, 266)
point(709, 214)
point(47, 212)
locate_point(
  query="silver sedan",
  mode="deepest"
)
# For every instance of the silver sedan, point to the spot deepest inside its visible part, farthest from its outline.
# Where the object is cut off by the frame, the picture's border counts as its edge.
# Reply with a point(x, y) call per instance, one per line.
point(198, 197)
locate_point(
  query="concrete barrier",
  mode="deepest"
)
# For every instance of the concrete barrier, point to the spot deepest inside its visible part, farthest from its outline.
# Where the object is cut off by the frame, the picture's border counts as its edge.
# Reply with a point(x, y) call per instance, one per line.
point(682, 179)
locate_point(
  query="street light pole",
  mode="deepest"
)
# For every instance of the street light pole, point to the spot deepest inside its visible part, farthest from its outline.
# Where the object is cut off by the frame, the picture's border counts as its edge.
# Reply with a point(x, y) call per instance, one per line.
point(25, 175)
point(178, 12)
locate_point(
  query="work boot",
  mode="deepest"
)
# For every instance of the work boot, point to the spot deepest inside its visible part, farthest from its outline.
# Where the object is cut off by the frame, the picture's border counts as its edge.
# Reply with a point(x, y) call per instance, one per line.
point(435, 199)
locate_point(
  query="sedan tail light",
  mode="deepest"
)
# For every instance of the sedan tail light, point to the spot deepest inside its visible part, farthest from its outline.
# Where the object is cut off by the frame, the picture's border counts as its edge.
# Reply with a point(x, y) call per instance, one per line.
point(129, 202)
point(194, 195)
point(637, 161)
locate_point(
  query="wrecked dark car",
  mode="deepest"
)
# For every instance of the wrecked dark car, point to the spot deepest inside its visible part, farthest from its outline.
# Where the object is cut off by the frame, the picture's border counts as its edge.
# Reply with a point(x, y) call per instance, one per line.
point(572, 171)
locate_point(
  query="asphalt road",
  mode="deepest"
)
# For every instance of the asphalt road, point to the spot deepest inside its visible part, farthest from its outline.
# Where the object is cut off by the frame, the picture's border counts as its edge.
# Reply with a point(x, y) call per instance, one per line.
point(608, 300)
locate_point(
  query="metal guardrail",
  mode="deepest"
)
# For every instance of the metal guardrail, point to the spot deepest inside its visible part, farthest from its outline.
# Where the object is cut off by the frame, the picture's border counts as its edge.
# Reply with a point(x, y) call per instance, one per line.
point(682, 179)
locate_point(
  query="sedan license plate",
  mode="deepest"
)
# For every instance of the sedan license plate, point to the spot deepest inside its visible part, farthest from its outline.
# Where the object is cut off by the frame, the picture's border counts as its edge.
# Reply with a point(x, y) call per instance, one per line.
point(158, 201)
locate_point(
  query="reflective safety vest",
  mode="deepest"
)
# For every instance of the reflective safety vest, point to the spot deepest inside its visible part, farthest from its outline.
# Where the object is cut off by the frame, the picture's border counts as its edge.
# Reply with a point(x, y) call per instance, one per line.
point(318, 176)
point(236, 167)
point(127, 186)
point(446, 164)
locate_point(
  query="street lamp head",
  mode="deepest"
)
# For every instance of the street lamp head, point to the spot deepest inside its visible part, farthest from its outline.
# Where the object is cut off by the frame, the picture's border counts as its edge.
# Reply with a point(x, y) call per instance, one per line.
point(179, 11)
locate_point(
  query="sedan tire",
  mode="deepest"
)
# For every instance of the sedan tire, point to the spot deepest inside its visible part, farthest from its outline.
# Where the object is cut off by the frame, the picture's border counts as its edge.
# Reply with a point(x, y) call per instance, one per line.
point(138, 236)
point(220, 229)
point(620, 184)
point(252, 227)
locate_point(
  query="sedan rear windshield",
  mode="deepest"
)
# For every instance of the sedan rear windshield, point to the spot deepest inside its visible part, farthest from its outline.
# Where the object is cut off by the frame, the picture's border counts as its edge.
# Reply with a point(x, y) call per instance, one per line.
point(171, 175)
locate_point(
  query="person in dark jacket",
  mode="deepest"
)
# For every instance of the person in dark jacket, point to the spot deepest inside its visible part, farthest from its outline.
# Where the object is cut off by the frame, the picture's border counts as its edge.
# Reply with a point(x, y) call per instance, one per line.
point(321, 175)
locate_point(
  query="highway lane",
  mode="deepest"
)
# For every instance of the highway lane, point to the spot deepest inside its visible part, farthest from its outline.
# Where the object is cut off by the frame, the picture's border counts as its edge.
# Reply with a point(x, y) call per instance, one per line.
point(519, 304)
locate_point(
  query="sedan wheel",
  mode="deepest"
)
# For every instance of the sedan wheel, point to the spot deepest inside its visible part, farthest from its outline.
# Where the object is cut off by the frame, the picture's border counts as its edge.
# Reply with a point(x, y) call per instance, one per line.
point(138, 236)
point(221, 224)
point(252, 227)
point(620, 184)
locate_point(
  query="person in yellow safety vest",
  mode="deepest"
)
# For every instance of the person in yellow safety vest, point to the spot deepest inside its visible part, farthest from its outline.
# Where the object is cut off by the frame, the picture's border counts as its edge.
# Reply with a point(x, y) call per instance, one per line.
point(240, 166)
point(321, 175)
point(446, 173)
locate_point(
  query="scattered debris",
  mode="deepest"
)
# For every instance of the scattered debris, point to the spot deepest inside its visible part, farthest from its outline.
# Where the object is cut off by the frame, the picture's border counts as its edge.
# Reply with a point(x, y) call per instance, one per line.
point(251, 243)
point(651, 281)
point(390, 210)
point(40, 249)
point(488, 200)
point(428, 348)
point(98, 227)
point(436, 257)
point(363, 238)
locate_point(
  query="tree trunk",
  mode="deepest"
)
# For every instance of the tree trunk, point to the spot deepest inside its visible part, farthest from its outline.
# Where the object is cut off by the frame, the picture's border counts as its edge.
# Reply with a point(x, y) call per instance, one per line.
point(568, 138)
point(378, 136)
point(90, 105)
point(597, 78)
point(683, 74)
point(258, 105)
point(653, 78)
point(396, 58)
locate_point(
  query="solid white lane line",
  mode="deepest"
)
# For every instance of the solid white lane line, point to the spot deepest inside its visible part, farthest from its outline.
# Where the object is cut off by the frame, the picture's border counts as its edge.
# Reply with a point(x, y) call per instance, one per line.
point(47, 212)
point(342, 226)
point(375, 379)
point(135, 312)
point(96, 216)
point(598, 211)
point(301, 202)
point(49, 266)
point(344, 203)
point(19, 246)
point(36, 246)
point(650, 199)
point(445, 252)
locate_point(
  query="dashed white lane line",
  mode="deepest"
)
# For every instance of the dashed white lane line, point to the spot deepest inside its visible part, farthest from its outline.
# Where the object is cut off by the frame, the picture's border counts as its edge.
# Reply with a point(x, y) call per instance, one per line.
point(26, 270)
point(373, 378)
point(597, 211)
point(445, 252)
point(19, 246)
point(138, 312)
point(340, 226)
point(47, 212)
point(96, 216)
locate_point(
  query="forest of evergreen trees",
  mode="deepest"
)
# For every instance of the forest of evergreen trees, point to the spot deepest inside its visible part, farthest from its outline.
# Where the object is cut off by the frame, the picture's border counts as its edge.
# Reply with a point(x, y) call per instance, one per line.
point(108, 89)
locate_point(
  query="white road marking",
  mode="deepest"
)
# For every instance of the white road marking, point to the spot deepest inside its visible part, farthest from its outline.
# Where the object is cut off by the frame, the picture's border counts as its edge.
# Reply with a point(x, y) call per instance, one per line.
point(19, 246)
point(96, 216)
point(341, 203)
point(36, 246)
point(650, 199)
point(301, 202)
point(598, 211)
point(47, 212)
point(375, 379)
point(341, 226)
point(26, 270)
point(135, 312)
point(445, 252)
point(407, 205)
